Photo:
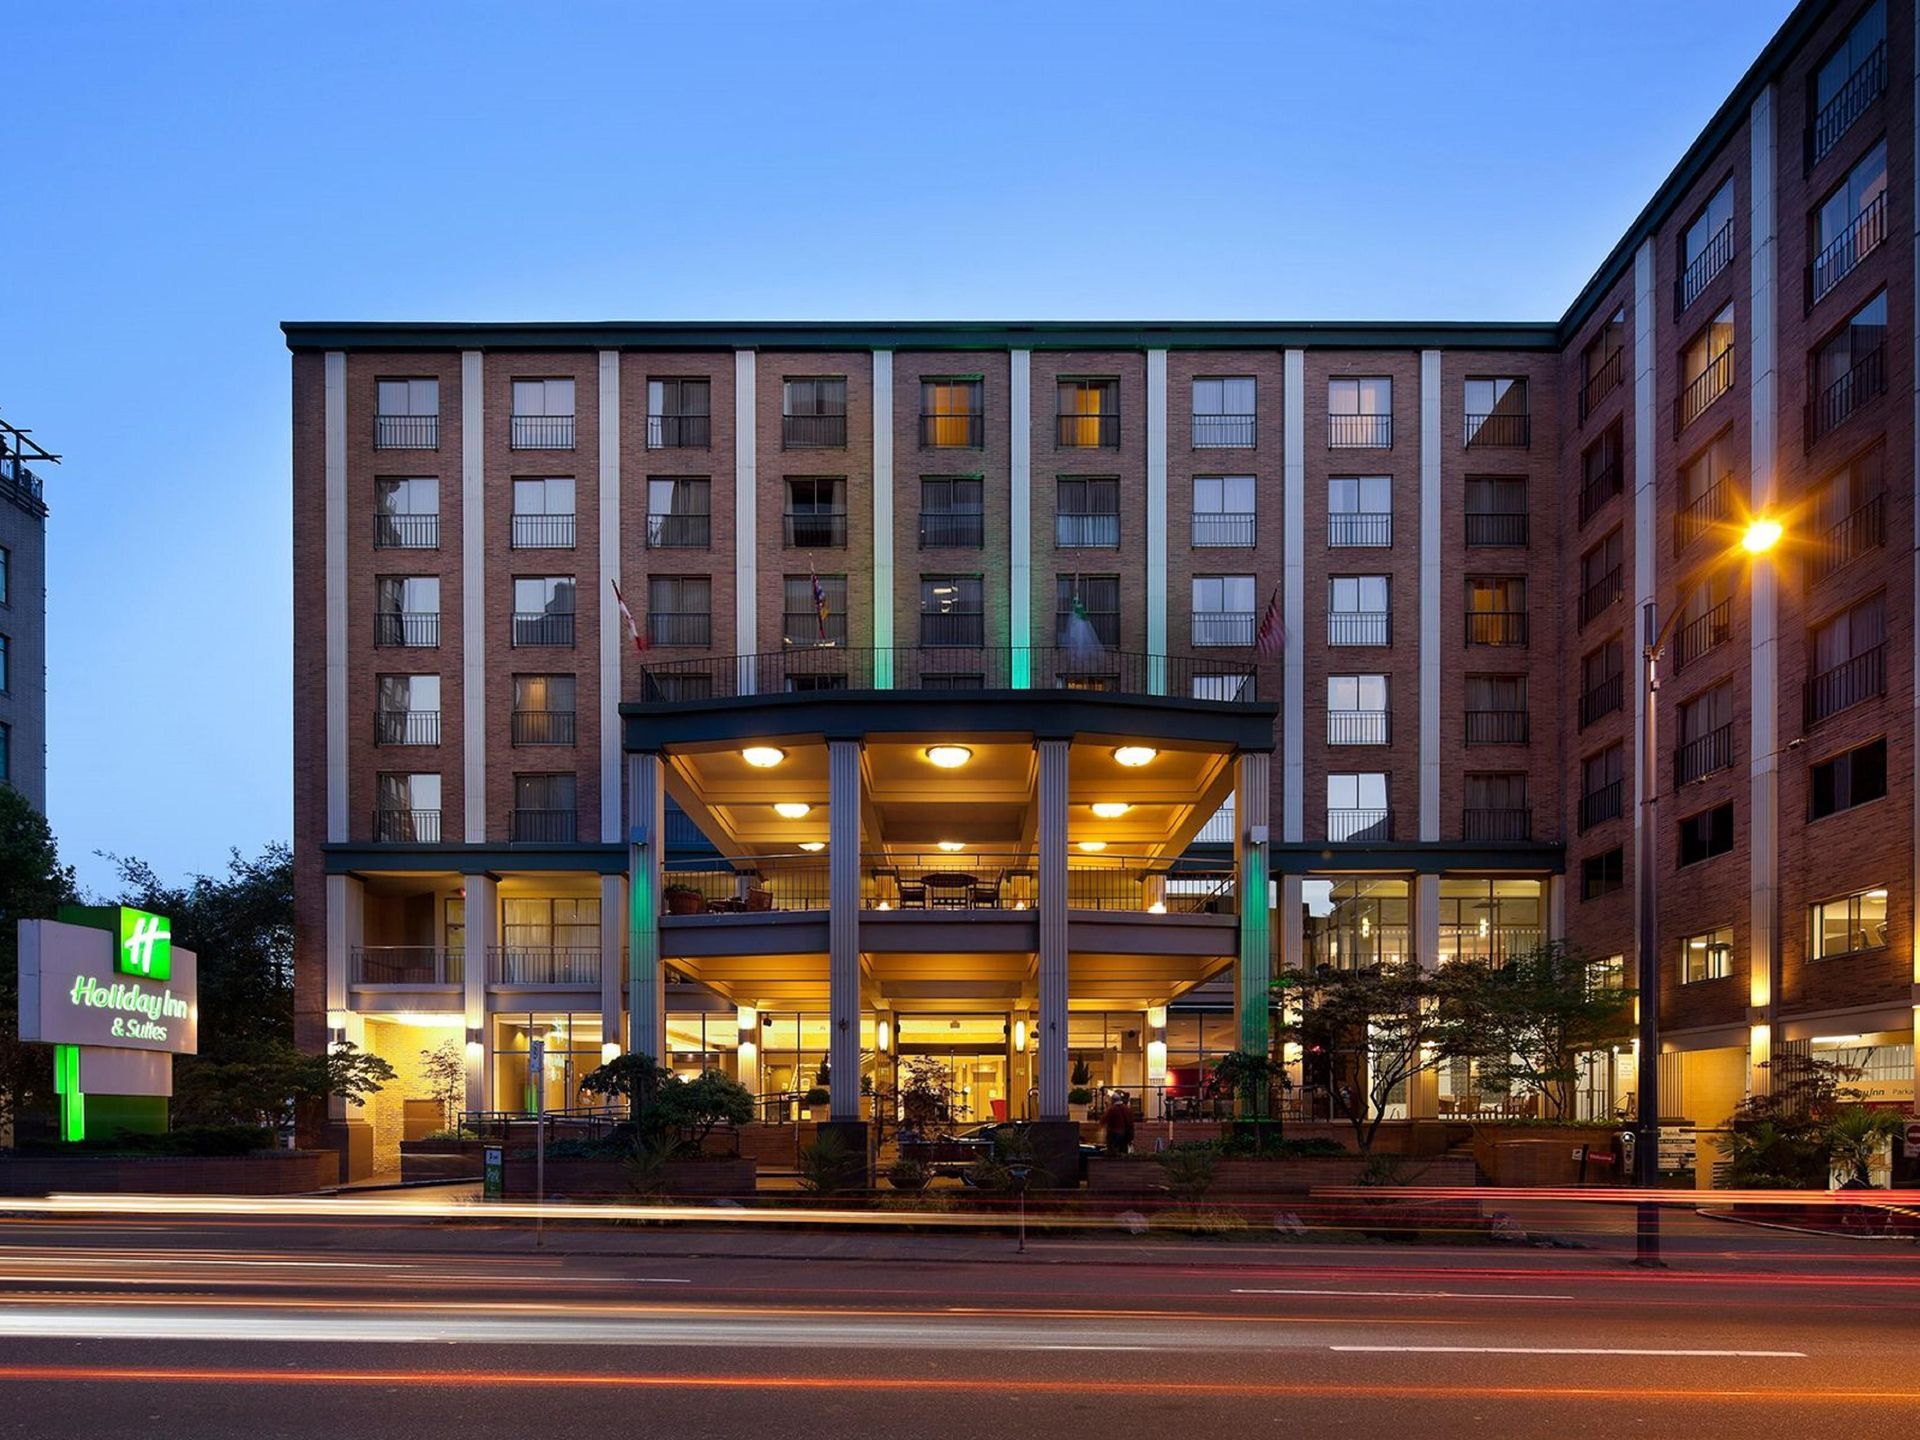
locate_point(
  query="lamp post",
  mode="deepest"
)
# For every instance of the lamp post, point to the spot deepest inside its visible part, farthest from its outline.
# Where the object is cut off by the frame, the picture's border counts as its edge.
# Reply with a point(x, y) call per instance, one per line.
point(1761, 536)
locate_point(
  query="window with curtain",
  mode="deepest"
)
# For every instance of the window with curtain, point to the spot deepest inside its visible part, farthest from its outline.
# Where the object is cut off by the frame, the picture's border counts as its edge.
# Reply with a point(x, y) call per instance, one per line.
point(1088, 513)
point(1100, 595)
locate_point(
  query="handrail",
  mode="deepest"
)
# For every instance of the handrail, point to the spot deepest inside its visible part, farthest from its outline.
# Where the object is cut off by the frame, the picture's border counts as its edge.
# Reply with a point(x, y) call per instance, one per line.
point(840, 669)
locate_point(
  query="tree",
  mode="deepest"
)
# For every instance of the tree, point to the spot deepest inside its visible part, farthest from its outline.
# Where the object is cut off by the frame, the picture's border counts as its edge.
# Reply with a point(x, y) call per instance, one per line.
point(33, 886)
point(926, 1095)
point(1527, 1023)
point(268, 1086)
point(1246, 1079)
point(445, 1070)
point(1809, 1123)
point(671, 1115)
point(632, 1077)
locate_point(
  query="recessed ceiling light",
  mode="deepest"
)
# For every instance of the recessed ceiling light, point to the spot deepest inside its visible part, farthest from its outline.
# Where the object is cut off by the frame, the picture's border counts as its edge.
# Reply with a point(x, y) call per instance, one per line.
point(1134, 756)
point(813, 847)
point(793, 809)
point(763, 757)
point(1110, 809)
point(1093, 847)
point(950, 846)
point(949, 757)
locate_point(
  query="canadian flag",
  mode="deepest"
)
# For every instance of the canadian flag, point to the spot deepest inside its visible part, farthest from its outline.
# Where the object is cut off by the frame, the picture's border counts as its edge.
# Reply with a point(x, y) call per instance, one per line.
point(639, 640)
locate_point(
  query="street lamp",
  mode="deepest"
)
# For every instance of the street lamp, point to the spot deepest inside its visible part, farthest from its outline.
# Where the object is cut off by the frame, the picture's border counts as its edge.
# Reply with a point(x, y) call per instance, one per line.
point(1761, 536)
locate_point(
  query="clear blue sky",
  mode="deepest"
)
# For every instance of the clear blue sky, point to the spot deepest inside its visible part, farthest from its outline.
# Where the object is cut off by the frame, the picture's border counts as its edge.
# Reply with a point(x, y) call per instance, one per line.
point(180, 178)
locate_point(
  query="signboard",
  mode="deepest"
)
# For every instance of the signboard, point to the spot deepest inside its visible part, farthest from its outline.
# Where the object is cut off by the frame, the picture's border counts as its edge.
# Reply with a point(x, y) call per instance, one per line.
point(1678, 1148)
point(81, 985)
point(493, 1173)
point(1913, 1135)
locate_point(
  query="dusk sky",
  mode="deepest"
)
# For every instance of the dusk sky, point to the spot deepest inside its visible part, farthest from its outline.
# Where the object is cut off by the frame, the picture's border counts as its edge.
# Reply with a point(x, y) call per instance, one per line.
point(181, 178)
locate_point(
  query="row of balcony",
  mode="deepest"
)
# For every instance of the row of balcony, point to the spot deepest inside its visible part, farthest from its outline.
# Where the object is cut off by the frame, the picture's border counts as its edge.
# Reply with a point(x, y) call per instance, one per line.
point(407, 826)
point(989, 667)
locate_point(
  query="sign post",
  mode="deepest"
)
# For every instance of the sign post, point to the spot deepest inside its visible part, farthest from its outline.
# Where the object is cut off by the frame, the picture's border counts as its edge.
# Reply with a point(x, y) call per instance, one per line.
point(536, 1064)
point(493, 1178)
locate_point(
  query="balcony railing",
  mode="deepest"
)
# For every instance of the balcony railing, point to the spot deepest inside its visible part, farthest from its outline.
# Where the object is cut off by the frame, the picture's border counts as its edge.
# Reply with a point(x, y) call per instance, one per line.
point(406, 727)
point(805, 628)
point(541, 432)
point(1599, 488)
point(1713, 381)
point(952, 429)
point(813, 432)
point(1863, 235)
point(411, 629)
point(406, 432)
point(1499, 430)
point(1849, 103)
point(1603, 593)
point(404, 965)
point(679, 432)
point(679, 532)
point(543, 727)
point(1464, 940)
point(1037, 668)
point(1223, 432)
point(952, 530)
point(569, 965)
point(1700, 271)
point(1606, 378)
point(684, 627)
point(1357, 727)
point(1086, 532)
point(403, 826)
point(1359, 627)
point(1606, 803)
point(1712, 507)
point(545, 826)
point(1223, 627)
point(1606, 696)
point(964, 631)
point(1359, 826)
point(1506, 528)
point(1359, 529)
point(1694, 759)
point(1697, 636)
point(1218, 529)
point(1497, 627)
point(1865, 379)
point(543, 627)
point(1507, 823)
point(406, 532)
point(1087, 432)
point(543, 532)
point(1850, 683)
point(1863, 530)
point(1498, 727)
point(816, 529)
point(1359, 432)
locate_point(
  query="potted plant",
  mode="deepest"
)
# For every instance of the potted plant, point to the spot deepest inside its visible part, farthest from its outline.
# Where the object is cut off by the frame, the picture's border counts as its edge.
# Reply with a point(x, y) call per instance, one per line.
point(819, 1099)
point(683, 900)
point(1080, 1098)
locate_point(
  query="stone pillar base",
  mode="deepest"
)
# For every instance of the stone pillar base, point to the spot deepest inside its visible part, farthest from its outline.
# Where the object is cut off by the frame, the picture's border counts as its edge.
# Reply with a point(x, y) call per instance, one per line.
point(1056, 1150)
point(354, 1140)
point(853, 1135)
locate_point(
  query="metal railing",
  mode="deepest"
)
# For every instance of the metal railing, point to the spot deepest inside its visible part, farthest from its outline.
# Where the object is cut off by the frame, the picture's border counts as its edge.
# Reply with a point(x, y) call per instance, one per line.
point(1219, 529)
point(1699, 635)
point(1360, 529)
point(406, 727)
point(406, 532)
point(1499, 430)
point(1713, 381)
point(1711, 507)
point(1086, 532)
point(1603, 698)
point(1466, 941)
point(963, 631)
point(1601, 594)
point(1606, 803)
point(542, 532)
point(680, 627)
point(1863, 530)
point(1497, 627)
point(1497, 528)
point(813, 432)
point(541, 432)
point(1359, 432)
point(1606, 378)
point(392, 826)
point(543, 627)
point(1358, 826)
point(1498, 727)
point(404, 965)
point(679, 532)
point(409, 629)
point(1357, 727)
point(543, 727)
point(952, 430)
point(545, 826)
point(1864, 234)
point(805, 630)
point(1701, 756)
point(406, 432)
point(952, 530)
point(679, 432)
point(1359, 627)
point(571, 965)
point(1087, 432)
point(1850, 683)
point(1505, 823)
point(1700, 271)
point(816, 529)
point(1223, 432)
point(1849, 103)
point(1223, 627)
point(1866, 378)
point(1597, 489)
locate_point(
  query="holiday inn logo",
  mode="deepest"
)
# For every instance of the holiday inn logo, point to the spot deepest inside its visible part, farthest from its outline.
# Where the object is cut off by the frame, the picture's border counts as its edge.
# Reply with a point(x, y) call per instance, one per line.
point(146, 945)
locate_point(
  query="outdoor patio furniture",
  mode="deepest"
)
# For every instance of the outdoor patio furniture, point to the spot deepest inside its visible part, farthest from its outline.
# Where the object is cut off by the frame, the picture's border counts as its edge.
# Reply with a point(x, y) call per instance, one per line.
point(913, 891)
point(985, 894)
point(950, 889)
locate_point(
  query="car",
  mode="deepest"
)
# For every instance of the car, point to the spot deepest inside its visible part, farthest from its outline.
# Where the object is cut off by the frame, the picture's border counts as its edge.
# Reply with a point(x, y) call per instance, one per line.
point(953, 1154)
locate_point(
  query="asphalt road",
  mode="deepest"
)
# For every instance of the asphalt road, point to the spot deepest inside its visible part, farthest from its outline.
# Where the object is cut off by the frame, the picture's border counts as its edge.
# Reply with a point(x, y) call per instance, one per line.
point(216, 1327)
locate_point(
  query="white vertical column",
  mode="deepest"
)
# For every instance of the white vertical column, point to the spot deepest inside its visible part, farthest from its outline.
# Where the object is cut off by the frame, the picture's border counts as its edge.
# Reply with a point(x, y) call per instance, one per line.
point(746, 552)
point(481, 906)
point(1643, 547)
point(883, 599)
point(843, 926)
point(1763, 913)
point(1156, 522)
point(613, 639)
point(646, 843)
point(1426, 920)
point(344, 931)
point(1053, 962)
point(473, 592)
point(1914, 887)
point(613, 935)
point(1429, 595)
point(1293, 602)
point(1020, 516)
point(334, 424)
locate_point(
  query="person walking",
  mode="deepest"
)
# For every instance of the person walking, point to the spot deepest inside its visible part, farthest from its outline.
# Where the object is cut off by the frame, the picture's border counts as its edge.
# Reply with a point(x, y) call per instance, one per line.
point(1119, 1126)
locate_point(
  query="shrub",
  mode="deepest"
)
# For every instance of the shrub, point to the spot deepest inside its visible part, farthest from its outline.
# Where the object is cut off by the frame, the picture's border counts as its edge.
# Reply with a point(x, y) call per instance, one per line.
point(187, 1140)
point(1198, 1222)
point(827, 1166)
point(817, 1096)
point(1189, 1171)
point(908, 1175)
point(1080, 1095)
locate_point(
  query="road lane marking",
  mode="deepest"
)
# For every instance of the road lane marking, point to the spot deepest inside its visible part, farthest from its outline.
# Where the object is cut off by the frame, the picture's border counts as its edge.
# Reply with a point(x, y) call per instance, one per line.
point(1410, 1294)
point(1563, 1350)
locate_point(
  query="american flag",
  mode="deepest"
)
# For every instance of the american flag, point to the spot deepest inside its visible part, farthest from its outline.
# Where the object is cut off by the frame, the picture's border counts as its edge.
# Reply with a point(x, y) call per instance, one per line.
point(819, 601)
point(1270, 642)
point(639, 640)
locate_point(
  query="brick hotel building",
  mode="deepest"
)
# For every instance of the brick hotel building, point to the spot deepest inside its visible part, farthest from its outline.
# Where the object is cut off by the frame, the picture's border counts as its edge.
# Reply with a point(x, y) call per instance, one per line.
point(951, 736)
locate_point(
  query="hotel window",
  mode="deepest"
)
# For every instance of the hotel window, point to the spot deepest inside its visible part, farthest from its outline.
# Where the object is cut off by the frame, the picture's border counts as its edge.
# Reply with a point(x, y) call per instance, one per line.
point(1706, 834)
point(543, 923)
point(543, 609)
point(1708, 494)
point(1850, 924)
point(1497, 710)
point(1489, 919)
point(804, 623)
point(952, 513)
point(679, 513)
point(542, 415)
point(1496, 610)
point(1705, 739)
point(1849, 369)
point(952, 611)
point(1353, 924)
point(1360, 413)
point(1849, 80)
point(813, 412)
point(1601, 474)
point(1853, 777)
point(951, 416)
point(1602, 681)
point(680, 610)
point(1706, 367)
point(1850, 516)
point(816, 516)
point(1849, 224)
point(406, 610)
point(1603, 874)
point(1496, 807)
point(1359, 511)
point(6, 752)
point(1357, 610)
point(1223, 511)
point(1603, 362)
point(1602, 577)
point(1087, 514)
point(406, 513)
point(1496, 510)
point(406, 808)
point(1356, 710)
point(1705, 620)
point(6, 665)
point(1223, 413)
point(543, 709)
point(1088, 414)
point(543, 514)
point(406, 710)
point(1099, 596)
point(1223, 609)
point(406, 415)
point(1497, 413)
point(1707, 956)
point(1849, 659)
point(1221, 687)
point(544, 808)
point(6, 576)
point(679, 414)
point(1706, 245)
point(1357, 807)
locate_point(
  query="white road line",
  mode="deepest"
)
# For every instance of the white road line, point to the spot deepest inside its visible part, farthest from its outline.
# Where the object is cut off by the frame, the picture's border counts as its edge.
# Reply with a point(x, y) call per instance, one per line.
point(1562, 1350)
point(1410, 1294)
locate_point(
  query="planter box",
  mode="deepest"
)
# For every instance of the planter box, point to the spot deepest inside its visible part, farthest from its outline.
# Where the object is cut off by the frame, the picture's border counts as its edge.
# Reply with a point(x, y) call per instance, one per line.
point(1545, 1155)
point(1248, 1179)
point(265, 1172)
point(610, 1179)
point(428, 1160)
